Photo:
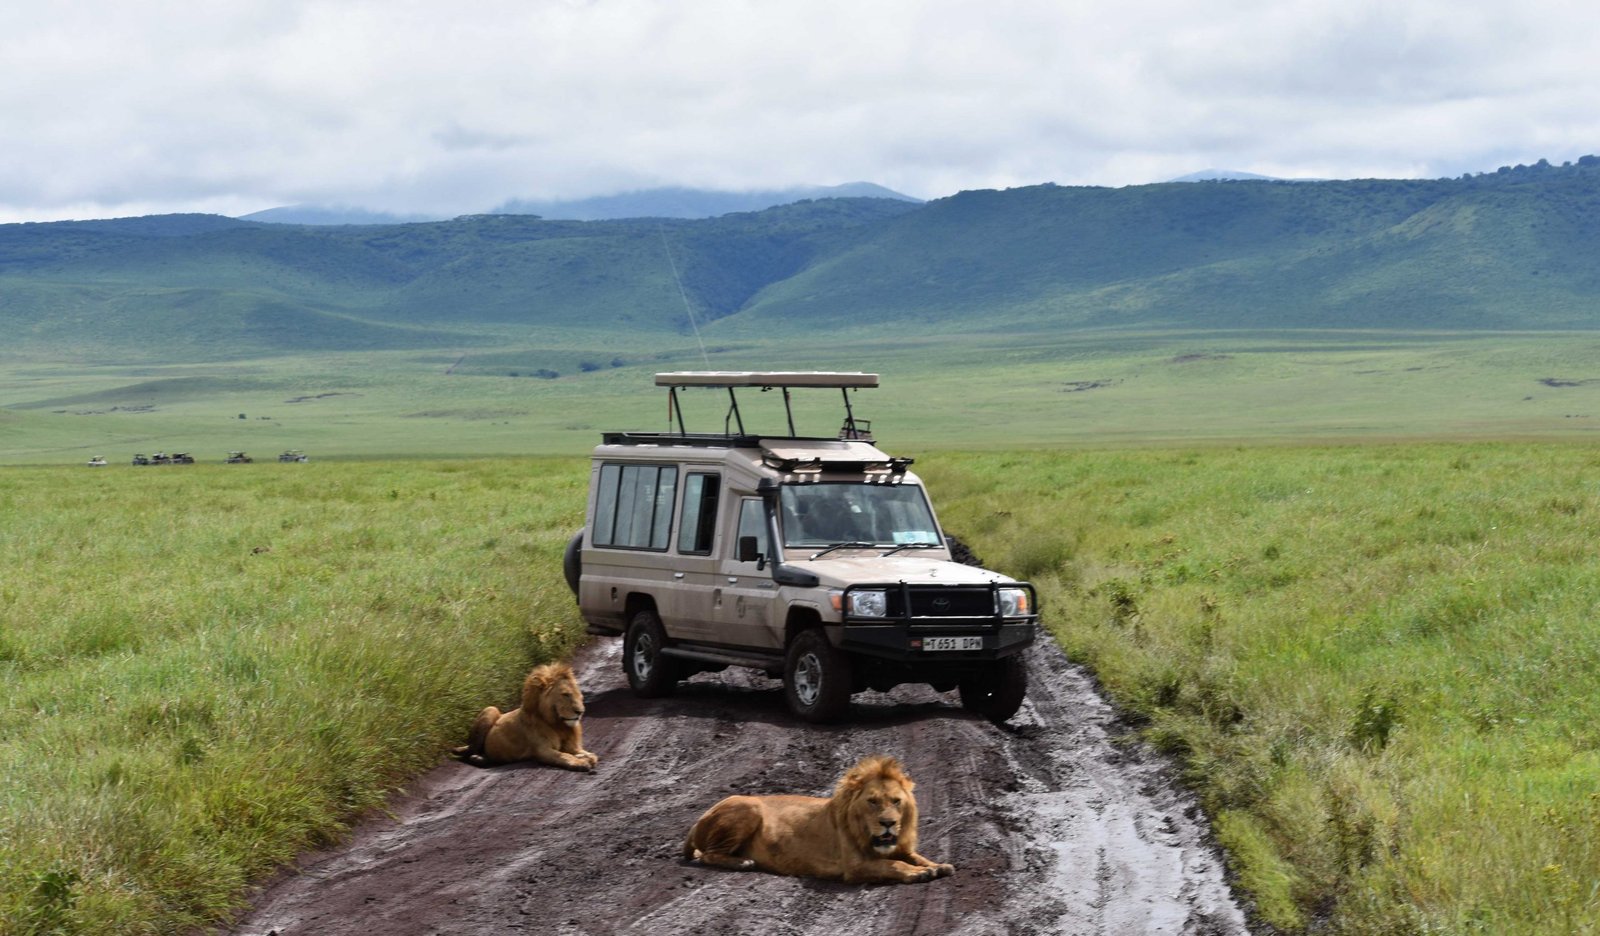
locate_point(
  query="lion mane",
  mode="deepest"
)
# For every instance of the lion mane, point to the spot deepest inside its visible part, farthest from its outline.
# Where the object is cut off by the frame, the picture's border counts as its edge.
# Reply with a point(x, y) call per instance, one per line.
point(865, 832)
point(546, 728)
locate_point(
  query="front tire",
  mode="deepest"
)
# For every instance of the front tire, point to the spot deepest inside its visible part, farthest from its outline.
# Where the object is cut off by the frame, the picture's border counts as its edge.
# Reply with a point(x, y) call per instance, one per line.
point(816, 678)
point(997, 694)
point(650, 674)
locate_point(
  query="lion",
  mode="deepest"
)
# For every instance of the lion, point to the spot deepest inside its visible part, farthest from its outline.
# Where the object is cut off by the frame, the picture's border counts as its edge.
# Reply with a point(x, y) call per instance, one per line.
point(865, 832)
point(546, 728)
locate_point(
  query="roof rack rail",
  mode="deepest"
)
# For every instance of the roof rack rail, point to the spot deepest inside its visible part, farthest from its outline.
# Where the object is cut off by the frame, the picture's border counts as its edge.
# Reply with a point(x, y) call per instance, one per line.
point(843, 381)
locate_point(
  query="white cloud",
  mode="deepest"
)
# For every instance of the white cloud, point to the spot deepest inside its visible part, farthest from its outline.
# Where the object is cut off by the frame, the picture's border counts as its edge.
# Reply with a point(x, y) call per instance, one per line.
point(109, 108)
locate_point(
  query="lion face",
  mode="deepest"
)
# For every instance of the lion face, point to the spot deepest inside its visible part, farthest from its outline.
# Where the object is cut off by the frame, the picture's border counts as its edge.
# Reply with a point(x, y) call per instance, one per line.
point(563, 701)
point(884, 813)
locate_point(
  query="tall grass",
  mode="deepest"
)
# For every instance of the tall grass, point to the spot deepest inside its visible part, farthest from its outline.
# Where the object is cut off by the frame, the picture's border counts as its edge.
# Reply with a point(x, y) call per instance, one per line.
point(208, 669)
point(1377, 663)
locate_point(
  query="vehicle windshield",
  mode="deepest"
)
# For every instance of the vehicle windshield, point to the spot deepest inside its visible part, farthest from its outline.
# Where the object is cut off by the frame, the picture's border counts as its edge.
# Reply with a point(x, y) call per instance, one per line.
point(871, 514)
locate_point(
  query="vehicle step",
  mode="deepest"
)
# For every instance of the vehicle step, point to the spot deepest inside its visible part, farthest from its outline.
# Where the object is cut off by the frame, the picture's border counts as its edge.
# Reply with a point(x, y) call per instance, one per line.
point(771, 662)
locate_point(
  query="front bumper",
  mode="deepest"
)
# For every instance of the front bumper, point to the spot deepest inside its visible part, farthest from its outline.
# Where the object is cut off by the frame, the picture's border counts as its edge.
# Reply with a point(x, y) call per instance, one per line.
point(918, 612)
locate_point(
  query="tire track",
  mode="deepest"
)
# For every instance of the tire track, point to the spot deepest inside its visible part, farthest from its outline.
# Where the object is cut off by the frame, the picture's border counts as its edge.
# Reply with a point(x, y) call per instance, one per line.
point(1053, 827)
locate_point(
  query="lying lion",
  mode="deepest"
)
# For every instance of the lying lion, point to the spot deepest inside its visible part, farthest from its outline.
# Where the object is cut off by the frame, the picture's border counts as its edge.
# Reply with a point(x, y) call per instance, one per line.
point(546, 728)
point(866, 831)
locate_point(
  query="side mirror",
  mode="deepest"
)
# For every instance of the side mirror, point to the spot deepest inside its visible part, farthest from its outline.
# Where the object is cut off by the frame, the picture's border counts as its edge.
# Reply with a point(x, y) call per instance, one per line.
point(749, 551)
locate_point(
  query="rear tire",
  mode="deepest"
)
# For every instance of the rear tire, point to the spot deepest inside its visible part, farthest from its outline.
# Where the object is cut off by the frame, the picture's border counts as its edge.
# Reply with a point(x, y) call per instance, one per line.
point(997, 694)
point(816, 678)
point(650, 674)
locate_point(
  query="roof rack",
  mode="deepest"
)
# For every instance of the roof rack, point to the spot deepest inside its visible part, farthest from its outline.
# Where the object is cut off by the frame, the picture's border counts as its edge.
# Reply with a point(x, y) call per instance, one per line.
point(767, 379)
point(843, 381)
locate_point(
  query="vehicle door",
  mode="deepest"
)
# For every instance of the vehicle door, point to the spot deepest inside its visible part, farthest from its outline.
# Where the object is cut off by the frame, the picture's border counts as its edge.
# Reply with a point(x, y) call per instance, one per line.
point(689, 596)
point(743, 599)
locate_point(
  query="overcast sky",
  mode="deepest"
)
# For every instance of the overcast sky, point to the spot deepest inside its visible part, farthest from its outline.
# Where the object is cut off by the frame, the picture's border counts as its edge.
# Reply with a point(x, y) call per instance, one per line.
point(122, 108)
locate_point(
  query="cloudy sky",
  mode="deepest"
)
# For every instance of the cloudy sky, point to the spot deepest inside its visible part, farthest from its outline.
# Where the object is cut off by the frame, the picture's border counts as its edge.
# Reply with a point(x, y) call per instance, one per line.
point(125, 108)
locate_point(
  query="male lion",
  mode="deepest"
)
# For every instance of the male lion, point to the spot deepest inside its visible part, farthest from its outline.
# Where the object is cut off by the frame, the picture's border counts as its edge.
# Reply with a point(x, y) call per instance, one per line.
point(866, 831)
point(546, 728)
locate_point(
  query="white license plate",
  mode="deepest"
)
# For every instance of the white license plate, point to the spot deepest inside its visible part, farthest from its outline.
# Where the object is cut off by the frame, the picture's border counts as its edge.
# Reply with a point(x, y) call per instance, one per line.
point(952, 643)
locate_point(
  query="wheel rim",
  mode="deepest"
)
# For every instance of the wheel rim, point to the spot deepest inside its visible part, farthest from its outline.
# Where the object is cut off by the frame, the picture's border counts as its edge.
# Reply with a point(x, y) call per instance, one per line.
point(808, 679)
point(644, 652)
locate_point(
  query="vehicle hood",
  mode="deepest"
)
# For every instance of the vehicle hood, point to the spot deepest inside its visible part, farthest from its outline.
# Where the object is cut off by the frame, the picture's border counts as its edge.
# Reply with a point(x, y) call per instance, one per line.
point(869, 568)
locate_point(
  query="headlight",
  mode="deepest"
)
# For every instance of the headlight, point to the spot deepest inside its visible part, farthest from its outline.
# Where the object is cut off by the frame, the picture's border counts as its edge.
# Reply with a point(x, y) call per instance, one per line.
point(868, 603)
point(1013, 602)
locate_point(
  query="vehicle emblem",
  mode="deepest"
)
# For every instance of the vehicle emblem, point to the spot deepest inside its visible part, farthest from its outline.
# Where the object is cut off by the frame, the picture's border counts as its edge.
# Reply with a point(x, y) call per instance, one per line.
point(941, 604)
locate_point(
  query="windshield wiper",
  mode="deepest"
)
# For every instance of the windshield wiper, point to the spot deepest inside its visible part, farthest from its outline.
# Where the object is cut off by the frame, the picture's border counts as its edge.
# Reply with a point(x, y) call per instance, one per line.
point(911, 546)
point(831, 548)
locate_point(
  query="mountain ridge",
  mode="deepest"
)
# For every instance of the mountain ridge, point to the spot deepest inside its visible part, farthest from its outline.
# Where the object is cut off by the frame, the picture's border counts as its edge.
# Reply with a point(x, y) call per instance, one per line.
point(1507, 250)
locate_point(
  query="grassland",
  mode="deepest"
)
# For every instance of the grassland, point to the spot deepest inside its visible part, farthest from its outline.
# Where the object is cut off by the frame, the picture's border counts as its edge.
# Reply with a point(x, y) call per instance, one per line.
point(1375, 662)
point(208, 670)
point(999, 390)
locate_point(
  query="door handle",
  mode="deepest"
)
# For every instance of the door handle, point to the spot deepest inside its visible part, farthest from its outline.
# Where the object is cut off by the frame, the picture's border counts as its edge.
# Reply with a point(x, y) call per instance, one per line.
point(677, 575)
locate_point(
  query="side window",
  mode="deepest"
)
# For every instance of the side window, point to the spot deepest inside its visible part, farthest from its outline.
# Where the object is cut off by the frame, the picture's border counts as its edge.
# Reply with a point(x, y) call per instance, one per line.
point(633, 506)
point(698, 524)
point(753, 522)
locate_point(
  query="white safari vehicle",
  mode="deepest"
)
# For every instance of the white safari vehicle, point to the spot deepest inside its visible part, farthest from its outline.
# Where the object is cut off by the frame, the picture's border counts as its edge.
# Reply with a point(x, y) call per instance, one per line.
point(816, 559)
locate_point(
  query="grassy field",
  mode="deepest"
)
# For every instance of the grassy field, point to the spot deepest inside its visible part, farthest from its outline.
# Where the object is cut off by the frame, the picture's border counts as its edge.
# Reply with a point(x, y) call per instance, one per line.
point(207, 670)
point(1377, 662)
point(984, 391)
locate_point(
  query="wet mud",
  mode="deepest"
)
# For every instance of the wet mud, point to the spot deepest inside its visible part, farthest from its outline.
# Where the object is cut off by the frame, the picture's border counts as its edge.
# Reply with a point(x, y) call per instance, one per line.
point(1056, 824)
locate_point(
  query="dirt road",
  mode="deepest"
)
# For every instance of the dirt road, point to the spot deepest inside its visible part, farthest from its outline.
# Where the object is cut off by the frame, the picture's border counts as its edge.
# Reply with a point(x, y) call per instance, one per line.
point(1053, 828)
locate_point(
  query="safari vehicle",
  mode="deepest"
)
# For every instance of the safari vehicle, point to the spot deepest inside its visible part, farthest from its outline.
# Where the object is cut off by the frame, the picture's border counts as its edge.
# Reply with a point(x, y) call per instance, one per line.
point(293, 455)
point(815, 559)
point(238, 458)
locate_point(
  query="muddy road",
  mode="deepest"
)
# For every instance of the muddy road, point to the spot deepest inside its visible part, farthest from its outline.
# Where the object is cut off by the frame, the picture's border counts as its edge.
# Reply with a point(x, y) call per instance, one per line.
point(1052, 827)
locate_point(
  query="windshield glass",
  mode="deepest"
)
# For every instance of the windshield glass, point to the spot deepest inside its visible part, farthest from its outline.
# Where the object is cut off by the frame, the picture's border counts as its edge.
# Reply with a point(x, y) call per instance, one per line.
point(877, 514)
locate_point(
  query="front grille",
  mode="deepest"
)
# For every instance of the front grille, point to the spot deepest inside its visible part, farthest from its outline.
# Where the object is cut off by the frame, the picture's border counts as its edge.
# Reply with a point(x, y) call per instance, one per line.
point(941, 601)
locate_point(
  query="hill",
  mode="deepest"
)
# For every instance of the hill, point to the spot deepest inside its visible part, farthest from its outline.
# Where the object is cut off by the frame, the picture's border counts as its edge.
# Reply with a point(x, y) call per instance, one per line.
point(1508, 250)
point(1218, 310)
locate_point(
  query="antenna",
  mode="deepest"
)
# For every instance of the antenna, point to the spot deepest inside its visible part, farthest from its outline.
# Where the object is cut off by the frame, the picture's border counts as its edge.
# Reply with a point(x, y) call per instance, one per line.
point(683, 295)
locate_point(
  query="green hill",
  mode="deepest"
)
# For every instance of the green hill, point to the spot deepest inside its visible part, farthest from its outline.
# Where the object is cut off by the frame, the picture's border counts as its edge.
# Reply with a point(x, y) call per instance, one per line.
point(1507, 250)
point(1215, 310)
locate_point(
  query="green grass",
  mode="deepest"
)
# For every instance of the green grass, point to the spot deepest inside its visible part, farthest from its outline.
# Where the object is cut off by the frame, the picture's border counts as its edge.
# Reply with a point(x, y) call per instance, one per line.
point(207, 670)
point(1377, 663)
point(1004, 390)
point(1374, 663)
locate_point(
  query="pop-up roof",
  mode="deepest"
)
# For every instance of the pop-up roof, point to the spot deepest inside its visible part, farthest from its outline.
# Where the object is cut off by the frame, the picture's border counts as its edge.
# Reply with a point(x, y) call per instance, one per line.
point(835, 379)
point(734, 431)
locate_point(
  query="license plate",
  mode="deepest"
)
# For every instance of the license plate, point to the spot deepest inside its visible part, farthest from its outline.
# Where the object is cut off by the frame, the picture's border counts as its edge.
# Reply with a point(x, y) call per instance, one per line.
point(952, 643)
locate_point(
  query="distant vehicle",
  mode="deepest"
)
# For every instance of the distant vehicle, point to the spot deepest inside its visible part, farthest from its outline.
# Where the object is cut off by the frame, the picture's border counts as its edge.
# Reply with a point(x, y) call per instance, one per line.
point(182, 458)
point(99, 461)
point(293, 455)
point(160, 458)
point(141, 459)
point(239, 458)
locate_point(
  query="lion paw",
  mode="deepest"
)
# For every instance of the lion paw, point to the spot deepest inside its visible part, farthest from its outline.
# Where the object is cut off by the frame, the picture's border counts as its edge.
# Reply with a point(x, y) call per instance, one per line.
point(943, 870)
